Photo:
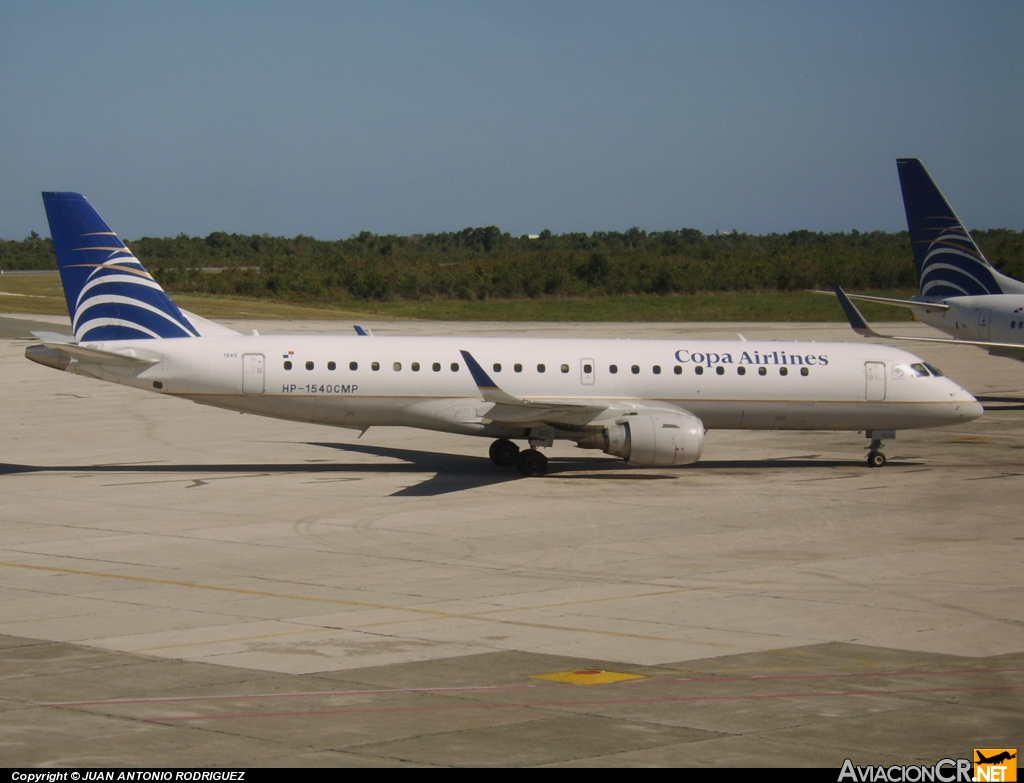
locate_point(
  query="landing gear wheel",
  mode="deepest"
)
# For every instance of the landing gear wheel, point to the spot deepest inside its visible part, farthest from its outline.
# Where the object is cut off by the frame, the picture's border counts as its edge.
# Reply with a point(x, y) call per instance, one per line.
point(504, 453)
point(532, 463)
point(876, 459)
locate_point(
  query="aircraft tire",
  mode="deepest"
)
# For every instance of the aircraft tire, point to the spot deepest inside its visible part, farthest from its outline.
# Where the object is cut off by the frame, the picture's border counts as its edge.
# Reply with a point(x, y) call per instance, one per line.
point(876, 459)
point(504, 453)
point(532, 463)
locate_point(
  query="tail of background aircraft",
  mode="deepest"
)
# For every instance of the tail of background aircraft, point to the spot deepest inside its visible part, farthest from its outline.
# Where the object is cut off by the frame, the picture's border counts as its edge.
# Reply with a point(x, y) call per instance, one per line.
point(949, 262)
point(110, 295)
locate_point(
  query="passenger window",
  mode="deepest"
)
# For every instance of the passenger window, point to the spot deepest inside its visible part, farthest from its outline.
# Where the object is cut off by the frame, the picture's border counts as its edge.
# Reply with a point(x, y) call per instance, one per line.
point(720, 370)
point(741, 370)
point(933, 370)
point(415, 366)
point(657, 369)
point(332, 366)
point(613, 368)
point(287, 365)
point(698, 370)
point(398, 366)
point(455, 366)
point(375, 366)
point(678, 370)
point(635, 369)
point(565, 368)
point(497, 367)
point(588, 369)
point(783, 371)
point(353, 366)
point(309, 365)
point(804, 371)
point(762, 370)
point(436, 367)
point(517, 367)
point(541, 368)
point(1013, 324)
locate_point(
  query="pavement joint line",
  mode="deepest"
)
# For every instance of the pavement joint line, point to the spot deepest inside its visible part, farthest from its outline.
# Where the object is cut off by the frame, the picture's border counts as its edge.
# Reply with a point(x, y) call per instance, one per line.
point(341, 602)
point(530, 686)
point(309, 630)
point(363, 626)
point(581, 703)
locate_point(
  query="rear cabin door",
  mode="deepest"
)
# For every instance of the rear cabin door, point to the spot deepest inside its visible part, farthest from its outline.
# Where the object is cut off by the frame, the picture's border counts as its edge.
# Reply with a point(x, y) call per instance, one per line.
point(252, 373)
point(984, 321)
point(587, 368)
point(874, 376)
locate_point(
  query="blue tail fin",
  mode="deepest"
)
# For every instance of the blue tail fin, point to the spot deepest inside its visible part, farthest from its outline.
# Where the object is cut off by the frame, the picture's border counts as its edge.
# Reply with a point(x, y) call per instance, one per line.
point(110, 295)
point(948, 261)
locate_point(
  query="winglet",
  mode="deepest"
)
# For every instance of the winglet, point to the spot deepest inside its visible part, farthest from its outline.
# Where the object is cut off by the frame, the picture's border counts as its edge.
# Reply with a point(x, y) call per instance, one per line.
point(488, 389)
point(361, 331)
point(857, 321)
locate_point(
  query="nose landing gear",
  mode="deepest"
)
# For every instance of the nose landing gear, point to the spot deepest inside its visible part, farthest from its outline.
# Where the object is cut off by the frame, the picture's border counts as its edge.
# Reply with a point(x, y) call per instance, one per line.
point(876, 458)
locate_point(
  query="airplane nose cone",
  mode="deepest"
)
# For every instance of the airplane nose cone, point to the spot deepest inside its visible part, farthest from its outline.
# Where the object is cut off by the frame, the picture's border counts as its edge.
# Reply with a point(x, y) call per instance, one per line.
point(969, 411)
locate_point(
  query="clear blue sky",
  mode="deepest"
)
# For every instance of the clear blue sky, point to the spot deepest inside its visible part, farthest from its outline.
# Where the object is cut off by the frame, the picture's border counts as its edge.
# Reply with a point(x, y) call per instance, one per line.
point(330, 118)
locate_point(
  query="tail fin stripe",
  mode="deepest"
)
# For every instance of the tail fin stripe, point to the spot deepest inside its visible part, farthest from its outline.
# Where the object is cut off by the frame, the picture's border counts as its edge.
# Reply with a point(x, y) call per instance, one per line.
point(962, 271)
point(100, 329)
point(129, 311)
point(123, 279)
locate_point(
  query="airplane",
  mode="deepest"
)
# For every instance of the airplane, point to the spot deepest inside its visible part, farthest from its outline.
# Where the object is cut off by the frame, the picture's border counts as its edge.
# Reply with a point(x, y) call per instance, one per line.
point(648, 402)
point(962, 294)
point(996, 759)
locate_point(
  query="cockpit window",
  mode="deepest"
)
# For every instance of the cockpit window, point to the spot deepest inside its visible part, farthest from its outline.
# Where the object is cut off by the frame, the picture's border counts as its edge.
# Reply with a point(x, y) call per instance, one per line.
point(934, 370)
point(918, 370)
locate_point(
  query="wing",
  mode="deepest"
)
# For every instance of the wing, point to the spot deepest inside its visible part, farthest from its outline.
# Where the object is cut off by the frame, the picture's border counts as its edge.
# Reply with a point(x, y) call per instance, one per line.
point(863, 328)
point(911, 303)
point(564, 413)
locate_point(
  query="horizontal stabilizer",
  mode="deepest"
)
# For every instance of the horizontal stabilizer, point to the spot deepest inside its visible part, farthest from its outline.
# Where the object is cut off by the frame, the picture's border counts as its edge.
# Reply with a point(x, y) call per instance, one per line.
point(206, 327)
point(54, 337)
point(97, 356)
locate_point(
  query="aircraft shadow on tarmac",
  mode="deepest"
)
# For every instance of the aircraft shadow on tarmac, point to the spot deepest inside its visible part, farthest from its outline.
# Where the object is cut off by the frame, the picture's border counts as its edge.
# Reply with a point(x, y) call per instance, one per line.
point(1001, 403)
point(451, 472)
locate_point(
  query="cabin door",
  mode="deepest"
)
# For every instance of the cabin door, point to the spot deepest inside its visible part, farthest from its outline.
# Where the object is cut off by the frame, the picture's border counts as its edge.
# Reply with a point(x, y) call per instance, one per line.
point(874, 374)
point(984, 321)
point(252, 373)
point(587, 368)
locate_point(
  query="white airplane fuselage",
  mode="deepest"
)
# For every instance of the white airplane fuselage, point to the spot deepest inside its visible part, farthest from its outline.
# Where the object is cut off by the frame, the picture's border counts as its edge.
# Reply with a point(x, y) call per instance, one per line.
point(997, 318)
point(424, 381)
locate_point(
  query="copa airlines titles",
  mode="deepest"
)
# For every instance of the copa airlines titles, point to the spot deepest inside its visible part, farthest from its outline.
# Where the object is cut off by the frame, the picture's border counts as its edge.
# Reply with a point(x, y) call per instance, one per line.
point(684, 356)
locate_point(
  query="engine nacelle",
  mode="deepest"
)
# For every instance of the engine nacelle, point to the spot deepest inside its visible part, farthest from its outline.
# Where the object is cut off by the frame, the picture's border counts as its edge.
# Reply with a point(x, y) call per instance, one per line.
point(652, 440)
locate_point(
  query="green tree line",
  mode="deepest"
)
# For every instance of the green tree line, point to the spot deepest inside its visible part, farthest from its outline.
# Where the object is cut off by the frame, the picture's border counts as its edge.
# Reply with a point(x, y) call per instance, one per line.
point(485, 263)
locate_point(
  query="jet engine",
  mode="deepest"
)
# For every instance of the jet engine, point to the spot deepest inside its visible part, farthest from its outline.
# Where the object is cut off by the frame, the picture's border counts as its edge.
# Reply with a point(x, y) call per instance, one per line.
point(651, 440)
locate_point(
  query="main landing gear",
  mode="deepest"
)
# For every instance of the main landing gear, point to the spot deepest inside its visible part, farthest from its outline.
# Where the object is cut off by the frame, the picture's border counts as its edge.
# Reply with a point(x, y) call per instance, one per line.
point(531, 462)
point(504, 453)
